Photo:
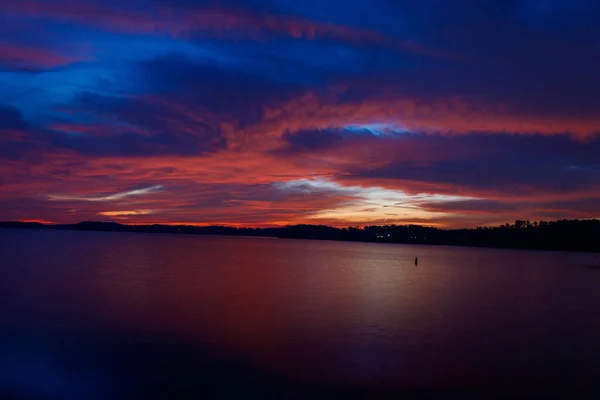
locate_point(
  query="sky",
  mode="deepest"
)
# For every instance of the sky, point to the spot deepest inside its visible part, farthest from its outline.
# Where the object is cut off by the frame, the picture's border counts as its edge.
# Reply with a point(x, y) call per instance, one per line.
point(448, 113)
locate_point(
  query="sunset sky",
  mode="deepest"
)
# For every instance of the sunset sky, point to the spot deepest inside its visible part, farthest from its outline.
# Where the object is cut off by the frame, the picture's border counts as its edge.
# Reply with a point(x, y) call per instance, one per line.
point(267, 112)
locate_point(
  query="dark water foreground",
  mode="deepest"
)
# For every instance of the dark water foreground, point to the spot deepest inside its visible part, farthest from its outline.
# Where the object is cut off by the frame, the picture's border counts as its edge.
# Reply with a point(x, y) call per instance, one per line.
point(95, 315)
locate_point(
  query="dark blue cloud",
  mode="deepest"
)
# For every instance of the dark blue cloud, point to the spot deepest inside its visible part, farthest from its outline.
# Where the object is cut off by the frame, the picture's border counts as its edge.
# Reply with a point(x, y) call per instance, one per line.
point(311, 140)
point(471, 206)
point(139, 127)
point(321, 141)
point(135, 145)
point(11, 119)
point(233, 93)
point(502, 163)
point(588, 205)
point(130, 127)
point(536, 58)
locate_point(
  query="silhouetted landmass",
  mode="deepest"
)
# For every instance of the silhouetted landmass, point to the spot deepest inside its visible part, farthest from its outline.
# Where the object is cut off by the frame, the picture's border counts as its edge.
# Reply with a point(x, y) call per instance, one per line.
point(572, 235)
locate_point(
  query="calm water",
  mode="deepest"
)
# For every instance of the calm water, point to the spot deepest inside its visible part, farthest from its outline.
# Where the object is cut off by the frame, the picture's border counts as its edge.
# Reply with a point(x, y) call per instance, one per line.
point(94, 315)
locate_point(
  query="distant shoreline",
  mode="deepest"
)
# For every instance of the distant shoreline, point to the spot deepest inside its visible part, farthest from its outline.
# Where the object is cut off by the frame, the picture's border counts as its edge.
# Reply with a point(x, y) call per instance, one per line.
point(563, 235)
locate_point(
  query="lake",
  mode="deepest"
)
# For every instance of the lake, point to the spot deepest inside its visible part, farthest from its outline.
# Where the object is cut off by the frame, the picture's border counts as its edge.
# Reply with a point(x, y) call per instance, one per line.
point(97, 315)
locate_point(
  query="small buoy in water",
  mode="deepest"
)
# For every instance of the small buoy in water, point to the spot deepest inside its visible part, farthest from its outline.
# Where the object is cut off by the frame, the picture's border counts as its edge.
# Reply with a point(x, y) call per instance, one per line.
point(416, 260)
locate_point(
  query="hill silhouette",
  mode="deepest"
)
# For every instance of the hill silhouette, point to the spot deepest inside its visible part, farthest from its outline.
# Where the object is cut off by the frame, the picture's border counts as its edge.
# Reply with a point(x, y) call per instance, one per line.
point(570, 235)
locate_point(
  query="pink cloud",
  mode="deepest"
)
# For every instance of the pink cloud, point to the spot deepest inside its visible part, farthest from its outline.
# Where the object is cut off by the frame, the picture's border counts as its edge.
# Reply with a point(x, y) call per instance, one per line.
point(451, 116)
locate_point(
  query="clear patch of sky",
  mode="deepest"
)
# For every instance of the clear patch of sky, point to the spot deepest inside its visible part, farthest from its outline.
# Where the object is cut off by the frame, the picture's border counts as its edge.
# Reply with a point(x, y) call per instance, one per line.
point(562, 19)
point(544, 11)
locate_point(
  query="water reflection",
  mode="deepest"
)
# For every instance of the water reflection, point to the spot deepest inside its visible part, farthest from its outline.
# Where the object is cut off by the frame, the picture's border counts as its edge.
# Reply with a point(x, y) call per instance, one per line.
point(141, 315)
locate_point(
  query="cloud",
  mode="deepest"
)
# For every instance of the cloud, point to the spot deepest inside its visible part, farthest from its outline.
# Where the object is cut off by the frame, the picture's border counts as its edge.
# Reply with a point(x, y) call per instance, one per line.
point(107, 197)
point(500, 166)
point(11, 119)
point(308, 141)
point(235, 93)
point(585, 208)
point(452, 115)
point(125, 214)
point(274, 112)
point(138, 126)
point(378, 199)
point(470, 206)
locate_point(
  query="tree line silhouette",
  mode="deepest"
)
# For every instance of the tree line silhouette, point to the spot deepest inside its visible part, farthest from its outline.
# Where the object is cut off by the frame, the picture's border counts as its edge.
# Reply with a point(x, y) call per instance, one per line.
point(572, 235)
